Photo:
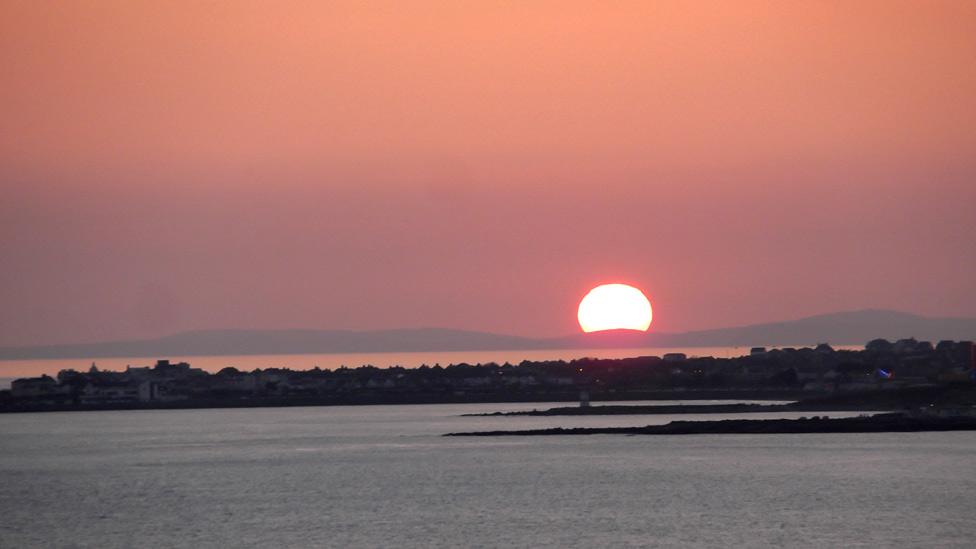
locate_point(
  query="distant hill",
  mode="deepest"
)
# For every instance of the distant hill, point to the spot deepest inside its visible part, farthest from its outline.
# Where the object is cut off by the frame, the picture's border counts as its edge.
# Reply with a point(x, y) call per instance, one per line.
point(847, 328)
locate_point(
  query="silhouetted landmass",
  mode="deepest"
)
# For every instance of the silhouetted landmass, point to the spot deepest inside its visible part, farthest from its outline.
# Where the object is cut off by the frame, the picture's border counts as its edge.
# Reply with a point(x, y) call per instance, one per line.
point(846, 328)
point(881, 423)
point(775, 374)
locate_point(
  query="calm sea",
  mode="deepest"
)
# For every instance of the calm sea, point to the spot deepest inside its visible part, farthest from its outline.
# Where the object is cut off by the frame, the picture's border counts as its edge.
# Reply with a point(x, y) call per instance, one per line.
point(382, 476)
point(10, 369)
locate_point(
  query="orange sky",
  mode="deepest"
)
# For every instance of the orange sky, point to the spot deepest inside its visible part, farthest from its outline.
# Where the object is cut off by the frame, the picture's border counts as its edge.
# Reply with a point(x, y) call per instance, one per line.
point(176, 165)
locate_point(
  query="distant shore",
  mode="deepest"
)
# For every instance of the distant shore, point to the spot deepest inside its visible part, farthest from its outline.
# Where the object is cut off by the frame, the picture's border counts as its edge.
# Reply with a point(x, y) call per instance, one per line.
point(823, 377)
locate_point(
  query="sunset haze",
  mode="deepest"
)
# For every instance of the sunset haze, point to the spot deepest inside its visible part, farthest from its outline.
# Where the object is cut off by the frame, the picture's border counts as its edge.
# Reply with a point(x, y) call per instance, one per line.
point(185, 165)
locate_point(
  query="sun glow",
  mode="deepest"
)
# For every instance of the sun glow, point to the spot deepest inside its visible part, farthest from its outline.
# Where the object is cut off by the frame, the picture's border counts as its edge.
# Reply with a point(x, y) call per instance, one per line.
point(614, 307)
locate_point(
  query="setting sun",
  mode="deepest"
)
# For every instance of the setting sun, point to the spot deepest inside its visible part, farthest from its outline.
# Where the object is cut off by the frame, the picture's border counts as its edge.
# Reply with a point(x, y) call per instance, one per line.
point(614, 307)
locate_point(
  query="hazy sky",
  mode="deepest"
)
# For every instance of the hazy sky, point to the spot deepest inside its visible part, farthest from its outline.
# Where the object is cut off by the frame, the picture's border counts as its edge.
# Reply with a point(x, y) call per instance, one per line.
point(178, 165)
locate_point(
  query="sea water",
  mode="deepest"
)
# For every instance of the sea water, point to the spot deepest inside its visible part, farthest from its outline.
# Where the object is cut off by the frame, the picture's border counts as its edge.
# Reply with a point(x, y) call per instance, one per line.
point(383, 476)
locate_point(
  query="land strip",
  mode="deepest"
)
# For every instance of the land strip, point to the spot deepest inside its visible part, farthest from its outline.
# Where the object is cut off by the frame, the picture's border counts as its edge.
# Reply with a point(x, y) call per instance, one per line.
point(882, 423)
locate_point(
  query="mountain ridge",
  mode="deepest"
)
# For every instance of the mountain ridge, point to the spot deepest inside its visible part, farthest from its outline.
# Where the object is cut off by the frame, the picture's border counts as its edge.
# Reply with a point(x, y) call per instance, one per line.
point(841, 328)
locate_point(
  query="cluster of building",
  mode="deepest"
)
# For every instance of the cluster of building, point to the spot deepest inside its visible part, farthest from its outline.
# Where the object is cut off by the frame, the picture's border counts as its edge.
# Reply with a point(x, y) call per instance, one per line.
point(818, 369)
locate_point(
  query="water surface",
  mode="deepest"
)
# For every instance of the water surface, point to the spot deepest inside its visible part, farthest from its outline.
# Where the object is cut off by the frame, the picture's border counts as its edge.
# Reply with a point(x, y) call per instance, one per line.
point(381, 476)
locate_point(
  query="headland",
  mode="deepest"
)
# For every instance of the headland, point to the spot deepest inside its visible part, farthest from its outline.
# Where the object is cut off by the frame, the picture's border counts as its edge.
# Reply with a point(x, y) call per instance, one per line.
point(880, 423)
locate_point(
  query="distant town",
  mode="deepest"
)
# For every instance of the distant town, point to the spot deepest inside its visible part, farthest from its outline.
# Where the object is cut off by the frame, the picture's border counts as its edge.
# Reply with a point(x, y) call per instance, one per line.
point(763, 373)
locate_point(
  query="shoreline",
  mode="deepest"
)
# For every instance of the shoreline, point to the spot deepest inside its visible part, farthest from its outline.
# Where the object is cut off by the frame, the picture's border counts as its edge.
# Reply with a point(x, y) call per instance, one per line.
point(881, 423)
point(814, 375)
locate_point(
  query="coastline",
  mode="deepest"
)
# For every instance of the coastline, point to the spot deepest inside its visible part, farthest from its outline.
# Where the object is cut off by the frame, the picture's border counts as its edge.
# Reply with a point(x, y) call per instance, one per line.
point(881, 423)
point(825, 378)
